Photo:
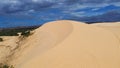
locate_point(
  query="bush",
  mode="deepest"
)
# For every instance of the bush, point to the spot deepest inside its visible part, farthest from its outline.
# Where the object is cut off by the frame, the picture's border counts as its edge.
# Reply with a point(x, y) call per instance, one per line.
point(6, 66)
point(1, 39)
point(26, 33)
point(15, 31)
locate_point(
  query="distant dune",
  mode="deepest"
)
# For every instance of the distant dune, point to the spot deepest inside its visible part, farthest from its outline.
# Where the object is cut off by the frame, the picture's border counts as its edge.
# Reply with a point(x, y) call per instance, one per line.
point(112, 27)
point(70, 44)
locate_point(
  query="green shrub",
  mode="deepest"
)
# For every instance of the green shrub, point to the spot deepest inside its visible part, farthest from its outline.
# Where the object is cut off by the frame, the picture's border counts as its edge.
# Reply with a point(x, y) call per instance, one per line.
point(14, 32)
point(26, 33)
point(6, 66)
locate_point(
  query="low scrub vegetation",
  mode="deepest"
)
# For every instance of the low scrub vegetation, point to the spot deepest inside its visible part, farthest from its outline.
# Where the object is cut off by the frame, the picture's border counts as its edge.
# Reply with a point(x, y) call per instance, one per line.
point(1, 39)
point(6, 66)
point(15, 31)
point(26, 33)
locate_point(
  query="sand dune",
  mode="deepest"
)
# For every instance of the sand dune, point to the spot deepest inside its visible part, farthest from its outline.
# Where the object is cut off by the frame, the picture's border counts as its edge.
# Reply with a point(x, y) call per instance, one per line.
point(70, 44)
point(6, 46)
point(113, 27)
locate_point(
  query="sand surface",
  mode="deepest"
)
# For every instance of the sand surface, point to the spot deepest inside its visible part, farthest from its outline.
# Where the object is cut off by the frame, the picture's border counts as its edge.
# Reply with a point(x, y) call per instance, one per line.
point(112, 27)
point(6, 46)
point(70, 44)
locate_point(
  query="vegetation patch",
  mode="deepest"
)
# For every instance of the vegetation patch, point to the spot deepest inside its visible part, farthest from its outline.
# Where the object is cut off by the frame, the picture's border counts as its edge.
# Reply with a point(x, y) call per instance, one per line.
point(1, 39)
point(13, 32)
point(6, 66)
point(26, 33)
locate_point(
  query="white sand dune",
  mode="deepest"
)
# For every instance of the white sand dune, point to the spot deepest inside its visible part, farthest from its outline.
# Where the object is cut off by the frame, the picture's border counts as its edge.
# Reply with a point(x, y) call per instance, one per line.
point(6, 46)
point(113, 27)
point(70, 44)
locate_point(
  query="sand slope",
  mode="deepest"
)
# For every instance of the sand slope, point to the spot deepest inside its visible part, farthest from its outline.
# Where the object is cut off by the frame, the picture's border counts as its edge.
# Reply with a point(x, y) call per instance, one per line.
point(113, 27)
point(6, 47)
point(70, 44)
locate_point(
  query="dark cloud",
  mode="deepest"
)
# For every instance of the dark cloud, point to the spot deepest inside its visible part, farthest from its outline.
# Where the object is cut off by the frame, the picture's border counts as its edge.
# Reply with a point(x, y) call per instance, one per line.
point(8, 9)
point(31, 12)
point(14, 6)
point(24, 5)
point(111, 16)
point(90, 1)
point(100, 1)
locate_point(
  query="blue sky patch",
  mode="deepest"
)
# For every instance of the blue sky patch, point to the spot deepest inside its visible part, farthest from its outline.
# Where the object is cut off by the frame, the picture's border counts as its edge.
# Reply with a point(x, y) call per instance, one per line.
point(35, 12)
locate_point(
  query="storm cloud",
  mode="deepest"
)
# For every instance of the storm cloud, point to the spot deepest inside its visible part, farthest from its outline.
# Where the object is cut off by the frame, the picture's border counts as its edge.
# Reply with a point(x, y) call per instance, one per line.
point(16, 6)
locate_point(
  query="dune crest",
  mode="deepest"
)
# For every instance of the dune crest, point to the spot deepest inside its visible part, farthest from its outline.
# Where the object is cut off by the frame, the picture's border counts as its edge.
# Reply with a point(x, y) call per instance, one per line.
point(112, 27)
point(70, 44)
point(44, 38)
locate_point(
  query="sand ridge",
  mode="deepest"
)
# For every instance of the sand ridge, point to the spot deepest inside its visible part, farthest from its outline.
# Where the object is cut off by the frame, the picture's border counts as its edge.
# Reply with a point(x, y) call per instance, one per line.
point(85, 46)
point(45, 38)
point(112, 27)
point(66, 44)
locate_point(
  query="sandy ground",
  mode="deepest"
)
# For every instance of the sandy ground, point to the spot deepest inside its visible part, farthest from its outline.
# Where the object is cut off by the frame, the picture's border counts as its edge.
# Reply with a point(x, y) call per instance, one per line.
point(70, 44)
point(8, 44)
point(9, 41)
point(112, 27)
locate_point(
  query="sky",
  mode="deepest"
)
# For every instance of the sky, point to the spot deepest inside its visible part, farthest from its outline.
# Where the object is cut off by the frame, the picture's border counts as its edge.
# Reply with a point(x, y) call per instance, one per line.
point(15, 13)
